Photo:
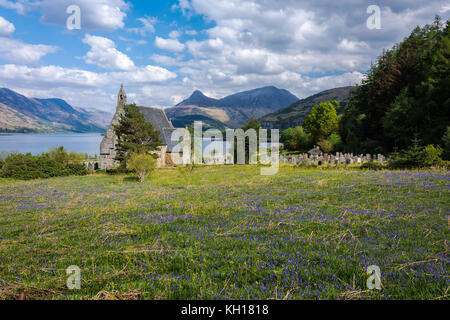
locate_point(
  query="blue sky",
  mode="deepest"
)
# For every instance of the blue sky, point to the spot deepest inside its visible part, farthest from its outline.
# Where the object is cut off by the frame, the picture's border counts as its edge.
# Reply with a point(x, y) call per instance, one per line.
point(163, 50)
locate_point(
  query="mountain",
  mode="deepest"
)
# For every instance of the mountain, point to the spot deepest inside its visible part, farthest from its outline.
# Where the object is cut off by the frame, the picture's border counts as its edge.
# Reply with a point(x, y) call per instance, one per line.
point(101, 118)
point(22, 114)
point(199, 99)
point(294, 115)
point(234, 110)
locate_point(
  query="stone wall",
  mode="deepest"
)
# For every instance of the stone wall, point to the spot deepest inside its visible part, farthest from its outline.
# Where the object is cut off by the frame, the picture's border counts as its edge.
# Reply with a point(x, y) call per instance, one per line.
point(331, 159)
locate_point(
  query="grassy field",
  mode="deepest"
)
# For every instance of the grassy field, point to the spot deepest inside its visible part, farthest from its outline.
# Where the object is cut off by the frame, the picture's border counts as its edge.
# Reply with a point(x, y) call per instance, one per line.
point(233, 234)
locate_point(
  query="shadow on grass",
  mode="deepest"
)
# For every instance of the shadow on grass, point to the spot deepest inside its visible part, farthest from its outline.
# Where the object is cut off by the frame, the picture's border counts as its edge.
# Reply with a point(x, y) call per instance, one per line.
point(131, 179)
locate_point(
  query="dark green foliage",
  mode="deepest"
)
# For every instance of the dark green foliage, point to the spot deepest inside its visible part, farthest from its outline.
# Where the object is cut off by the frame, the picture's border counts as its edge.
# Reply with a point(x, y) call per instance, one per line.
point(252, 124)
point(135, 134)
point(294, 139)
point(446, 144)
point(322, 121)
point(19, 130)
point(28, 166)
point(405, 93)
point(416, 157)
point(372, 166)
point(118, 171)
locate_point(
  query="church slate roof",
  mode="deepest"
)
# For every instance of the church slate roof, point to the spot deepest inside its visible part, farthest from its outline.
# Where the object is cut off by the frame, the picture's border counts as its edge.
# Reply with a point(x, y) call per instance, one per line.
point(157, 117)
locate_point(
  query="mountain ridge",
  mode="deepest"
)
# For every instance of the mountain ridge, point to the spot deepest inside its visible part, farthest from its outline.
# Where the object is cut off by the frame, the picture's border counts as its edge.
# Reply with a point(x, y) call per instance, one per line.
point(23, 114)
point(233, 110)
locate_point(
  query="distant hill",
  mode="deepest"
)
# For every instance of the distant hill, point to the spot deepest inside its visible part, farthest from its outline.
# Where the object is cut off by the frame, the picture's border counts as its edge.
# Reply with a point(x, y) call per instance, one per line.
point(199, 99)
point(295, 114)
point(234, 110)
point(22, 114)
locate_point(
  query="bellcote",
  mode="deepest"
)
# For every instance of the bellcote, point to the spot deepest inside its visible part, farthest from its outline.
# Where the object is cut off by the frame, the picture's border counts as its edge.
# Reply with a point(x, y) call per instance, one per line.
point(121, 97)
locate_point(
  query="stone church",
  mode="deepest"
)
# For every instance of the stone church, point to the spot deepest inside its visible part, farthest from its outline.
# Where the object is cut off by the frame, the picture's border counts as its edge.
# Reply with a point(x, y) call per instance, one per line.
point(156, 116)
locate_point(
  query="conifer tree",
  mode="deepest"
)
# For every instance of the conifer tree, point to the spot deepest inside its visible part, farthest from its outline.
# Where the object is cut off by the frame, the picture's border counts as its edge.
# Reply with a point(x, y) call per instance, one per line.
point(135, 135)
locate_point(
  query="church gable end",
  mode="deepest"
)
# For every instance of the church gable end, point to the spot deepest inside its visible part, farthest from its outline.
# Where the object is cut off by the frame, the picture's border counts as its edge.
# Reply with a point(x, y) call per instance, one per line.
point(158, 119)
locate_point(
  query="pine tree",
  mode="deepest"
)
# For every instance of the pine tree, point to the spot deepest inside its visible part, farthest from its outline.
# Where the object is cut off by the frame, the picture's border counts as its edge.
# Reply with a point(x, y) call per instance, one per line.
point(134, 135)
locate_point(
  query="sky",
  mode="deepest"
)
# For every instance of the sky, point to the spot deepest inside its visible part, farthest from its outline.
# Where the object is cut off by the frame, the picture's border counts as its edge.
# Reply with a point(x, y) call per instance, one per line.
point(164, 50)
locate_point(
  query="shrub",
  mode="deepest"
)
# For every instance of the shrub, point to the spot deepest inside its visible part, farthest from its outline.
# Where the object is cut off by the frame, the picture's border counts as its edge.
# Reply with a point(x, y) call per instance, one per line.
point(325, 145)
point(294, 139)
point(19, 166)
point(142, 164)
point(61, 155)
point(27, 167)
point(431, 155)
point(77, 169)
point(446, 144)
point(186, 171)
point(372, 166)
point(416, 157)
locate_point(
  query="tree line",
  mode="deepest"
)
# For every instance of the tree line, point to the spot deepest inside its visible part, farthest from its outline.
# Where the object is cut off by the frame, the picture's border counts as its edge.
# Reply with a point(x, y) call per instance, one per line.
point(403, 103)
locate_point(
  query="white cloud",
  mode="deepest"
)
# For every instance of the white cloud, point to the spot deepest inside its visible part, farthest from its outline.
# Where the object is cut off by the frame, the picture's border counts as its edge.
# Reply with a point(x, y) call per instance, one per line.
point(95, 14)
point(352, 46)
point(143, 75)
point(81, 87)
point(206, 48)
point(6, 27)
point(169, 44)
point(167, 61)
point(304, 46)
point(313, 85)
point(104, 54)
point(184, 6)
point(147, 26)
point(22, 53)
point(139, 42)
point(445, 8)
point(42, 77)
point(20, 6)
point(174, 34)
point(291, 44)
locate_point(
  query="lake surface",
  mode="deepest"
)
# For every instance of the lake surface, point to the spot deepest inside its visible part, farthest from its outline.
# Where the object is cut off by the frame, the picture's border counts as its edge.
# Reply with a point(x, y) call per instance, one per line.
point(37, 143)
point(79, 142)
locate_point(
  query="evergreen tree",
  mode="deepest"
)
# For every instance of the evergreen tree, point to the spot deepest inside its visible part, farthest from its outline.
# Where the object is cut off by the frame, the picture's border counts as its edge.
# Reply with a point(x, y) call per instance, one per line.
point(134, 135)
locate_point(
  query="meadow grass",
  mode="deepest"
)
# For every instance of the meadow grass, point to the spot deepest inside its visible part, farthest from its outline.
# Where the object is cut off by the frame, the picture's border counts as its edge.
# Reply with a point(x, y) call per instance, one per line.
point(232, 234)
